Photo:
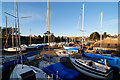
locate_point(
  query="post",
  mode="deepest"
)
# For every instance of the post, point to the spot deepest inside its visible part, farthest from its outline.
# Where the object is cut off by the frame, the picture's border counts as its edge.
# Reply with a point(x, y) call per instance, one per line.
point(83, 27)
point(57, 76)
point(101, 31)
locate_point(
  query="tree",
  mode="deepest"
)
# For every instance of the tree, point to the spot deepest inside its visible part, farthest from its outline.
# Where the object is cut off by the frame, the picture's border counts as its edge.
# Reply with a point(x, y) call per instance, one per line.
point(115, 36)
point(94, 35)
point(104, 34)
point(108, 35)
point(39, 36)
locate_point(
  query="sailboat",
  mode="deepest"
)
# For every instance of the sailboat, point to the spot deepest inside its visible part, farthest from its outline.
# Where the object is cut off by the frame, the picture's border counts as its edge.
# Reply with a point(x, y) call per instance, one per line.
point(34, 46)
point(72, 48)
point(63, 53)
point(31, 46)
point(23, 72)
point(92, 69)
point(100, 58)
point(14, 49)
point(89, 67)
point(43, 64)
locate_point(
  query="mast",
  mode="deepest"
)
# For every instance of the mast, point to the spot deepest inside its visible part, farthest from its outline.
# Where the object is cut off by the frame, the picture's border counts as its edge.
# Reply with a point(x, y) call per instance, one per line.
point(19, 33)
point(15, 26)
point(6, 32)
point(101, 31)
point(12, 36)
point(48, 26)
point(83, 26)
point(48, 22)
point(30, 36)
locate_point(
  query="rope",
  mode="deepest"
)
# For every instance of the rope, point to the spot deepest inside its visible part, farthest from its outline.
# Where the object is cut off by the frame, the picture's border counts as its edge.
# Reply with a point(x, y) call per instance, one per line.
point(97, 22)
point(79, 20)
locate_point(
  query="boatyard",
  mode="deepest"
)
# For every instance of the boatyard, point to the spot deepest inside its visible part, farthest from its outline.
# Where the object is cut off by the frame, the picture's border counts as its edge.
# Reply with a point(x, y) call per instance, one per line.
point(39, 57)
point(45, 56)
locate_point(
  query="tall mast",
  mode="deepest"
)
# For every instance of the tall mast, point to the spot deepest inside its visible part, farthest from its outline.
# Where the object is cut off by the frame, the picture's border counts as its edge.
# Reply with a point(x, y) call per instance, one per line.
point(15, 25)
point(19, 33)
point(48, 26)
point(12, 36)
point(30, 36)
point(48, 22)
point(6, 32)
point(101, 31)
point(83, 26)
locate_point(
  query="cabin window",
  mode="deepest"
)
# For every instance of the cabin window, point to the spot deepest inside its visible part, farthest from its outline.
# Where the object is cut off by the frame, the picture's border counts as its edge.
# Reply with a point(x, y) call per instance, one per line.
point(30, 75)
point(108, 45)
point(115, 45)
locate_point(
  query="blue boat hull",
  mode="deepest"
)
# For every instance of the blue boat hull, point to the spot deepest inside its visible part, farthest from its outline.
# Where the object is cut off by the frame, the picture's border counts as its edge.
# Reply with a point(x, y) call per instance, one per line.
point(112, 61)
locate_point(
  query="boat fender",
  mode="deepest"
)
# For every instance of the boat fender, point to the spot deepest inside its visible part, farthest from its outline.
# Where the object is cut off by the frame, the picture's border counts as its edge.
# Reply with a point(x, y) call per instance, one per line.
point(106, 62)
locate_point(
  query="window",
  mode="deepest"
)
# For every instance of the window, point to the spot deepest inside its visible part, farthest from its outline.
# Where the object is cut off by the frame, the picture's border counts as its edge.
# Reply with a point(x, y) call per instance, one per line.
point(30, 75)
point(108, 45)
point(115, 45)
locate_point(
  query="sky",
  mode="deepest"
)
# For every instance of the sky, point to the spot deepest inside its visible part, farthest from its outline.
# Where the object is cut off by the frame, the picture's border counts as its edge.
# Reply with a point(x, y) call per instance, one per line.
point(64, 17)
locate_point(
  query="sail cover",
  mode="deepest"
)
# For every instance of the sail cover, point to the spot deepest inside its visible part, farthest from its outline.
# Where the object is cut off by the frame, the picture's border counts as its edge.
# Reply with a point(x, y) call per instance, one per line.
point(63, 72)
point(112, 61)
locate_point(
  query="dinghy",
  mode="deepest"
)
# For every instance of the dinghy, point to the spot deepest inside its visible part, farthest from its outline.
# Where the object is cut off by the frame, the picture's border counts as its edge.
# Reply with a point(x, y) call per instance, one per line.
point(63, 53)
point(71, 48)
point(35, 46)
point(32, 46)
point(31, 55)
point(92, 69)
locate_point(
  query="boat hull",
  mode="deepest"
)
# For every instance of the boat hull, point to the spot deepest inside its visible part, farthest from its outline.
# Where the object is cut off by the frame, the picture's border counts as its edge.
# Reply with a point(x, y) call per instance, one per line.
point(90, 73)
point(15, 49)
point(70, 48)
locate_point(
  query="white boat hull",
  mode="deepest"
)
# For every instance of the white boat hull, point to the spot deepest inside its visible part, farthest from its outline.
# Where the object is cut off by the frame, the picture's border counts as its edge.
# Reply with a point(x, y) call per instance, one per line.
point(63, 53)
point(22, 69)
point(83, 70)
point(14, 49)
point(71, 48)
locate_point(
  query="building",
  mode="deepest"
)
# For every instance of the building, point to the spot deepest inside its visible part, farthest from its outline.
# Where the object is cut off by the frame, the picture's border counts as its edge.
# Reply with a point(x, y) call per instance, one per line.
point(107, 44)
